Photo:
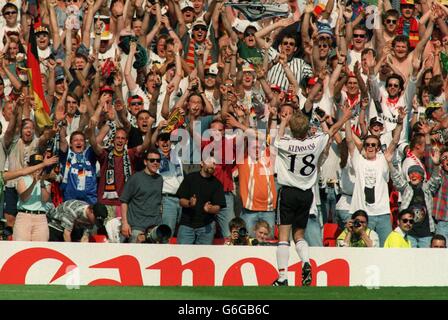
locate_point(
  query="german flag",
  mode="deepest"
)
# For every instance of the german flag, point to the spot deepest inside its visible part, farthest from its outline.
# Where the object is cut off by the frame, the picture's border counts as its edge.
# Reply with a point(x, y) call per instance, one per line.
point(42, 110)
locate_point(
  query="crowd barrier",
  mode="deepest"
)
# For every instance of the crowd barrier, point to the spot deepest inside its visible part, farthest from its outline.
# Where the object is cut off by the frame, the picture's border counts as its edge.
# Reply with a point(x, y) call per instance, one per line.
point(94, 264)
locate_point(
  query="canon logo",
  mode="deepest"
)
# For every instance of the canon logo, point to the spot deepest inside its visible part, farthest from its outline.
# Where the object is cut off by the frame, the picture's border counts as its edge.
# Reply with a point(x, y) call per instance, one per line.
point(203, 270)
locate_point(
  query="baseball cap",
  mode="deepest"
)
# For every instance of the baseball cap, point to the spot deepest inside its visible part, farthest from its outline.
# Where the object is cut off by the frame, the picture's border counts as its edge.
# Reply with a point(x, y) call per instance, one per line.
point(199, 22)
point(312, 81)
point(135, 97)
point(186, 4)
point(59, 74)
point(35, 159)
point(241, 25)
point(99, 211)
point(247, 67)
point(376, 120)
point(41, 29)
point(106, 89)
point(407, 2)
point(213, 69)
point(417, 169)
point(324, 28)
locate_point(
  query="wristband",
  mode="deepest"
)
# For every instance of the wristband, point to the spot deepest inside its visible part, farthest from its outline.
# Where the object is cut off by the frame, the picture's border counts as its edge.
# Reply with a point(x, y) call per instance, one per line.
point(169, 29)
point(274, 119)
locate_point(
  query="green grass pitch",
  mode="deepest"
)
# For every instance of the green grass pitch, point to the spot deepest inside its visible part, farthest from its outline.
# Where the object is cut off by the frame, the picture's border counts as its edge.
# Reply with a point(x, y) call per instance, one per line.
point(53, 292)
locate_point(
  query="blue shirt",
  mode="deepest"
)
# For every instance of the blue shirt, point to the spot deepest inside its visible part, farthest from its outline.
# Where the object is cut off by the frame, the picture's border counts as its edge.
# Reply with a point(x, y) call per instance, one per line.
point(80, 181)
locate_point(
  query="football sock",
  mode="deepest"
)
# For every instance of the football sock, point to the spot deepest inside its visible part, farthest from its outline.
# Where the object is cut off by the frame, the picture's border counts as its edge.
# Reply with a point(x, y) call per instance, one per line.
point(303, 250)
point(282, 260)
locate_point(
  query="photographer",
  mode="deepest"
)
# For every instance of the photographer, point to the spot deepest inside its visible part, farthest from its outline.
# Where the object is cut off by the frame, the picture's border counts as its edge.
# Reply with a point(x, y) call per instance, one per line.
point(73, 217)
point(356, 233)
point(238, 233)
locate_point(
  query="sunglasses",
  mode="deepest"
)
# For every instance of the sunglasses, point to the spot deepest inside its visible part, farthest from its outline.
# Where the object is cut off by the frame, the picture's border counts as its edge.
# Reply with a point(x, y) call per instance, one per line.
point(373, 145)
point(152, 160)
point(411, 221)
point(203, 28)
point(323, 45)
point(393, 85)
point(291, 43)
point(248, 34)
point(136, 103)
point(358, 35)
point(361, 221)
point(8, 13)
point(407, 6)
point(391, 21)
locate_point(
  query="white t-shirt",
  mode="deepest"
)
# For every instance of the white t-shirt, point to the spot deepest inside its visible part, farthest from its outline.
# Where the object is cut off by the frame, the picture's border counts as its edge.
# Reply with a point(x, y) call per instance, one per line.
point(346, 178)
point(296, 161)
point(370, 191)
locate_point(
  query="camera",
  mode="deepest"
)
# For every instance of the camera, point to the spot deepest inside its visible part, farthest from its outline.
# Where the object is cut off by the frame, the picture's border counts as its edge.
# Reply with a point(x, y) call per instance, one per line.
point(5, 231)
point(321, 113)
point(356, 224)
point(158, 234)
point(242, 239)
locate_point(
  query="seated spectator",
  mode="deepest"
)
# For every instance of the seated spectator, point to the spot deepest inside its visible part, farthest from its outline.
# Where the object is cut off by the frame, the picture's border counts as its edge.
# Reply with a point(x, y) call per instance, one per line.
point(357, 234)
point(438, 241)
point(399, 237)
point(262, 231)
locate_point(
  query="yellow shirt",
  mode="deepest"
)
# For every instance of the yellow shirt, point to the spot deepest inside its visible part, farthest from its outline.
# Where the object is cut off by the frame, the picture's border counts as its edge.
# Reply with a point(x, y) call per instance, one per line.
point(396, 240)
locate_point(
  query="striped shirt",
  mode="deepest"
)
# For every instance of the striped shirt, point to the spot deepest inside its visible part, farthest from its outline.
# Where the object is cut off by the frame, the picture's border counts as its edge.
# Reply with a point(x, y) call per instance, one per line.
point(277, 75)
point(257, 186)
point(65, 215)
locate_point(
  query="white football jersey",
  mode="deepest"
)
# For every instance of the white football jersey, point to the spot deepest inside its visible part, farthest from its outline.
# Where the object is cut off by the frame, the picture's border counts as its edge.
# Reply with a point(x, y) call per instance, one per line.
point(296, 161)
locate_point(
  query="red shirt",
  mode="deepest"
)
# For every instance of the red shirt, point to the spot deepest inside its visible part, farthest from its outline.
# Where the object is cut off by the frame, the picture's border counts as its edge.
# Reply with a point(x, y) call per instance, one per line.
point(223, 170)
point(119, 174)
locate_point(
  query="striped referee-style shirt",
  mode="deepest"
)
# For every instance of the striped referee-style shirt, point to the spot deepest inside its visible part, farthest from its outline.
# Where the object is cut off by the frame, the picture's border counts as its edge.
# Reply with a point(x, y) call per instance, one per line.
point(277, 75)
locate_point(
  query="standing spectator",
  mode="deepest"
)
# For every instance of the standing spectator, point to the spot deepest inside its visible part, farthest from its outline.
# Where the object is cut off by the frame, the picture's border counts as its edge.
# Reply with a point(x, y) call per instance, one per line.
point(142, 198)
point(201, 198)
point(438, 241)
point(399, 237)
point(117, 163)
point(257, 186)
point(62, 220)
point(172, 174)
point(296, 165)
point(357, 234)
point(440, 200)
point(372, 175)
point(78, 168)
point(31, 221)
point(417, 195)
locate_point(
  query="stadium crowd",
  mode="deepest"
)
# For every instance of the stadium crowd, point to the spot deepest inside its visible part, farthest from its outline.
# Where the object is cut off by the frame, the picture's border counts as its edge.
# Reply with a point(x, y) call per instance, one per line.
point(119, 117)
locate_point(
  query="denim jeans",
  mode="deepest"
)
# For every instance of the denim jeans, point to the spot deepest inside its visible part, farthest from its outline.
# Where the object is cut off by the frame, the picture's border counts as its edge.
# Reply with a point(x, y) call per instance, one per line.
point(328, 204)
point(341, 218)
point(381, 224)
point(420, 242)
point(252, 217)
point(442, 228)
point(225, 215)
point(313, 232)
point(171, 212)
point(202, 235)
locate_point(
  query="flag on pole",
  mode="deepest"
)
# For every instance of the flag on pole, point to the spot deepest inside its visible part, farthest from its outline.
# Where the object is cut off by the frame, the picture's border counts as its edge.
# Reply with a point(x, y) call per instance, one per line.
point(42, 110)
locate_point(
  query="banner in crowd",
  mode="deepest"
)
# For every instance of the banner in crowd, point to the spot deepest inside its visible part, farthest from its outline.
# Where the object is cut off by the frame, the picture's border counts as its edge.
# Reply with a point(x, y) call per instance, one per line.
point(74, 264)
